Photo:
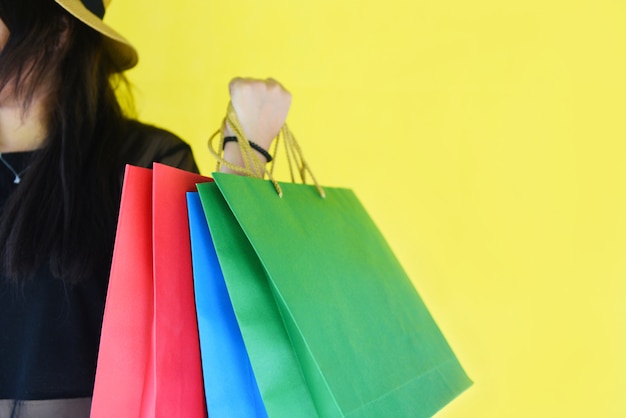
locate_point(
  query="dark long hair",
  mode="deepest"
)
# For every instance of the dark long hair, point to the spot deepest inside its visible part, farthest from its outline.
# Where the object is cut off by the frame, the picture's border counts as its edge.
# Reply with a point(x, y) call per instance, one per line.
point(64, 211)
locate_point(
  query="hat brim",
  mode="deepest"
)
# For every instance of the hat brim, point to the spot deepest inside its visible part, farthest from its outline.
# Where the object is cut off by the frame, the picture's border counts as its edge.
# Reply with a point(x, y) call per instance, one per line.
point(122, 52)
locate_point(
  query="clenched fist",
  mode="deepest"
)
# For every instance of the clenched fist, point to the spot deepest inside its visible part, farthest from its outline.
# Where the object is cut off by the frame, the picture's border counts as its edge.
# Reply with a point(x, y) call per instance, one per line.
point(261, 106)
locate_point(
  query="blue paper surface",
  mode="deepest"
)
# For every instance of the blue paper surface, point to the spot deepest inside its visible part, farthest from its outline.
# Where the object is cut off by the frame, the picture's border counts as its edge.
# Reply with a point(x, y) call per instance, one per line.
point(229, 382)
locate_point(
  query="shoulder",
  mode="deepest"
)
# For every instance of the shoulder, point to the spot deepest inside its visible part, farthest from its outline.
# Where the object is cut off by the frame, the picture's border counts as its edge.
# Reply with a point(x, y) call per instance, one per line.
point(144, 144)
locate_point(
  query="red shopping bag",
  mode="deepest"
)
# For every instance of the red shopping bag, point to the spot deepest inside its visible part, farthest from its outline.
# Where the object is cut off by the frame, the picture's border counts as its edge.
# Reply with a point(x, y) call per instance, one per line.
point(149, 360)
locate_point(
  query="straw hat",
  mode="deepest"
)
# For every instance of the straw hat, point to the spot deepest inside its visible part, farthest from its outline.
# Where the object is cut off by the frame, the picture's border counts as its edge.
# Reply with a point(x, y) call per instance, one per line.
point(91, 12)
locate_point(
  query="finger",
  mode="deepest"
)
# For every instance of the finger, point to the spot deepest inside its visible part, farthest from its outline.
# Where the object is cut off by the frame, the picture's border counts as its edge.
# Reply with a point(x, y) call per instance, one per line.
point(277, 84)
point(235, 81)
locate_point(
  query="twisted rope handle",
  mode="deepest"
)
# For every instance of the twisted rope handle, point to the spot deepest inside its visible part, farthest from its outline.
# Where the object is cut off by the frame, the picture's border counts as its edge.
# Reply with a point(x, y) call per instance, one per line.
point(252, 164)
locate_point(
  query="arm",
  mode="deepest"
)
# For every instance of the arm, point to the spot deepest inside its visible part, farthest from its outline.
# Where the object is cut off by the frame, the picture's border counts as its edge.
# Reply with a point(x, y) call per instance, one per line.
point(262, 107)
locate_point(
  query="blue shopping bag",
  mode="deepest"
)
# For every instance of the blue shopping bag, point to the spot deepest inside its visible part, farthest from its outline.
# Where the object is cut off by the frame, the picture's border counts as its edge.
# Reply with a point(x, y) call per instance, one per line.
point(230, 386)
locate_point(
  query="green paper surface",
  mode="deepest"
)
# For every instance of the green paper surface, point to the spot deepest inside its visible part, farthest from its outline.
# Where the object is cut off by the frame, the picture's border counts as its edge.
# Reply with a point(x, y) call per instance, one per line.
point(276, 368)
point(366, 344)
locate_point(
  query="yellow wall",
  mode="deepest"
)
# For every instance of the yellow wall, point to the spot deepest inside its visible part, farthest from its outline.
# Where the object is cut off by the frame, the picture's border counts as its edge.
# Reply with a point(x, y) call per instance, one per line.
point(487, 140)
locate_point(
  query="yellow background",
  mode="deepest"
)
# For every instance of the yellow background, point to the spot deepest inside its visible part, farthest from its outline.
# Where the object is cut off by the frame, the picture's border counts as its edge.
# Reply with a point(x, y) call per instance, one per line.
point(487, 140)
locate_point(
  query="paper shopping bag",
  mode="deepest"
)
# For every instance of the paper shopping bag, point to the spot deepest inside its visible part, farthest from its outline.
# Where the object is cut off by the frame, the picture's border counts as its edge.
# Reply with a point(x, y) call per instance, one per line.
point(364, 342)
point(125, 341)
point(149, 359)
point(229, 382)
point(179, 385)
point(275, 365)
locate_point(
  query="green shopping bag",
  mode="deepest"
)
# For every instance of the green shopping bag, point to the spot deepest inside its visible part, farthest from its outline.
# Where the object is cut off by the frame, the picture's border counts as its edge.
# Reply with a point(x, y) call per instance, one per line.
point(332, 324)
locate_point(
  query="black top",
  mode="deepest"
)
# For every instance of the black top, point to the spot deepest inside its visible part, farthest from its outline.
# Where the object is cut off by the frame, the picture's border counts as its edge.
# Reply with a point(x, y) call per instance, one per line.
point(50, 330)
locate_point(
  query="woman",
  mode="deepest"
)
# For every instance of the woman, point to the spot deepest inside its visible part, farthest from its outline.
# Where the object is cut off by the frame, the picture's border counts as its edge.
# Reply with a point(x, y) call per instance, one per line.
point(64, 141)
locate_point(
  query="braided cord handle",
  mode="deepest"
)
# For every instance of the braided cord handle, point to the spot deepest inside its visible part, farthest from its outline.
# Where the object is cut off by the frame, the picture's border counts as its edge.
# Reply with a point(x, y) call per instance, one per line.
point(252, 164)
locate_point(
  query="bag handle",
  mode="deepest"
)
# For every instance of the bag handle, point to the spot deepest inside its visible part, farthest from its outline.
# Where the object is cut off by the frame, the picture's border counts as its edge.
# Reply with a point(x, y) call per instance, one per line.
point(252, 164)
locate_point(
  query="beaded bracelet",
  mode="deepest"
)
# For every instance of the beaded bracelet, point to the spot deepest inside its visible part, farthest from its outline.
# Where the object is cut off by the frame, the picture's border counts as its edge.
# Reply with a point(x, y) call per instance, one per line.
point(253, 145)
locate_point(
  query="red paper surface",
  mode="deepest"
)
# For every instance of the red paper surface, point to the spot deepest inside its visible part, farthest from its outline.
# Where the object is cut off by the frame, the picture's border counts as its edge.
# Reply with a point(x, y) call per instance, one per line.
point(179, 385)
point(149, 361)
point(126, 338)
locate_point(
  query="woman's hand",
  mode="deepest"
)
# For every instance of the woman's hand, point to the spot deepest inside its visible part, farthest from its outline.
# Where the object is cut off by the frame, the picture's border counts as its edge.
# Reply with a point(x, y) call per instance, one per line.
point(261, 106)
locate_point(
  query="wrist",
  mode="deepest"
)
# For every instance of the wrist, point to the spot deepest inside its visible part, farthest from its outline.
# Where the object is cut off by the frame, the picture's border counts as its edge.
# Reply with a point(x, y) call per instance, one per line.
point(259, 150)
